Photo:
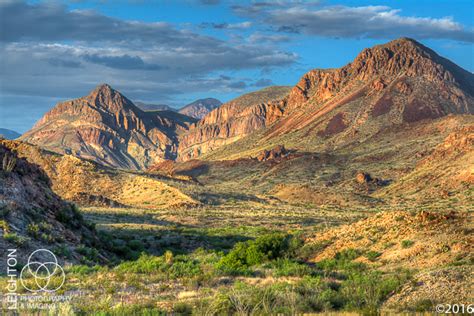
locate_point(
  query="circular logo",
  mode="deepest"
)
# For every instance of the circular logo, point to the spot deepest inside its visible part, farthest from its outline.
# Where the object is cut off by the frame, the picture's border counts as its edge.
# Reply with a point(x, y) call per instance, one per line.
point(42, 272)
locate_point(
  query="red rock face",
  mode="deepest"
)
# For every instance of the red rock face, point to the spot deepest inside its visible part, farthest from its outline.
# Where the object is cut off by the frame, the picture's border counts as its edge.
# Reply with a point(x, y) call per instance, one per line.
point(395, 83)
point(398, 82)
point(231, 121)
point(107, 127)
point(401, 81)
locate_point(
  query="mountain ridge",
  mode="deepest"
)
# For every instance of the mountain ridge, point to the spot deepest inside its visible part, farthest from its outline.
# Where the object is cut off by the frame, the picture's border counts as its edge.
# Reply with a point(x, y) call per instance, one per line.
point(107, 127)
point(199, 108)
point(387, 85)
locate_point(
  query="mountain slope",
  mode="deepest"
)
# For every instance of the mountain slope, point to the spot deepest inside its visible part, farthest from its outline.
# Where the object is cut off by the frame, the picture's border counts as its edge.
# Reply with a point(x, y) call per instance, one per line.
point(88, 183)
point(8, 133)
point(396, 84)
point(108, 128)
point(199, 108)
point(32, 216)
point(232, 121)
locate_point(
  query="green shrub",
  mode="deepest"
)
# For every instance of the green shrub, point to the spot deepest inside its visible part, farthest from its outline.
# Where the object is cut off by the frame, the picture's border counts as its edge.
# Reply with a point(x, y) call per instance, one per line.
point(260, 250)
point(83, 270)
point(15, 239)
point(90, 254)
point(4, 226)
point(372, 255)
point(182, 308)
point(135, 245)
point(307, 251)
point(9, 162)
point(366, 291)
point(287, 267)
point(342, 261)
point(407, 243)
point(182, 266)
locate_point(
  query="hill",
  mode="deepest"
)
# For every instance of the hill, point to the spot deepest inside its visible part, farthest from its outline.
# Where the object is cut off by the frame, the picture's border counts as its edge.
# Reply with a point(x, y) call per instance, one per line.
point(199, 108)
point(398, 84)
point(106, 127)
point(153, 107)
point(91, 184)
point(232, 121)
point(8, 133)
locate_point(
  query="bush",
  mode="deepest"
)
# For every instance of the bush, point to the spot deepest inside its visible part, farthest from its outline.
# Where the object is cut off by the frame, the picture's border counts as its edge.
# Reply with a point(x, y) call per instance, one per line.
point(260, 250)
point(9, 162)
point(372, 255)
point(407, 243)
point(368, 290)
point(90, 254)
point(180, 267)
point(307, 251)
point(182, 308)
point(342, 261)
point(15, 239)
point(287, 267)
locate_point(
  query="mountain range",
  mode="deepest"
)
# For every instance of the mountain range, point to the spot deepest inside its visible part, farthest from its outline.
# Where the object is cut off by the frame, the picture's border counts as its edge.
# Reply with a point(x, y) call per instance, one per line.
point(365, 170)
point(197, 109)
point(8, 133)
point(389, 86)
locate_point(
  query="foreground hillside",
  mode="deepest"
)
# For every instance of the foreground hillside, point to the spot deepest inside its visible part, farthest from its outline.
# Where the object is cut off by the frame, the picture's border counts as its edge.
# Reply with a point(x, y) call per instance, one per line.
point(88, 183)
point(32, 216)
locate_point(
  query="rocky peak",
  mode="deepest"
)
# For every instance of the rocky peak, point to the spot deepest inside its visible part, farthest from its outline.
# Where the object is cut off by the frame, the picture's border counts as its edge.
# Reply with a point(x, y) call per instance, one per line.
point(382, 64)
point(107, 98)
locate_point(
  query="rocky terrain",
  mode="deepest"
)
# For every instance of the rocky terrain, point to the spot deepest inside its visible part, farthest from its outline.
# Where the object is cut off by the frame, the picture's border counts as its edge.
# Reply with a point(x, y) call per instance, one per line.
point(108, 128)
point(399, 83)
point(33, 216)
point(232, 121)
point(351, 191)
point(199, 108)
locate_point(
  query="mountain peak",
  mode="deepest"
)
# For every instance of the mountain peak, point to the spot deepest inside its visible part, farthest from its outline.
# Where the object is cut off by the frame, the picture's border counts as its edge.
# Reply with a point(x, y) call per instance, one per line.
point(106, 97)
point(199, 108)
point(104, 87)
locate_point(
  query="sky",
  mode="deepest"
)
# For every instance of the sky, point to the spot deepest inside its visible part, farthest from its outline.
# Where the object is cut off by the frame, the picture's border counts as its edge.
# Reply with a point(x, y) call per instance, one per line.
point(175, 52)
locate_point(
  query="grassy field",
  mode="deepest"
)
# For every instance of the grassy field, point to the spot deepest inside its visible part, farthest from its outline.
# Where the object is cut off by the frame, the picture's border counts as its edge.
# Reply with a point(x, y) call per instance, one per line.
point(234, 259)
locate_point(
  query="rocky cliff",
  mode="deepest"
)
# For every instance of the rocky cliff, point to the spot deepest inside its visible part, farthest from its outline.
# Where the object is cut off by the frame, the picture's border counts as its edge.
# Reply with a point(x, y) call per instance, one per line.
point(396, 84)
point(232, 121)
point(106, 127)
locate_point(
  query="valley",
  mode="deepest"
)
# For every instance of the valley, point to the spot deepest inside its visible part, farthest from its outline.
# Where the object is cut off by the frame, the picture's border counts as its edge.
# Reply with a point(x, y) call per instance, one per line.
point(351, 192)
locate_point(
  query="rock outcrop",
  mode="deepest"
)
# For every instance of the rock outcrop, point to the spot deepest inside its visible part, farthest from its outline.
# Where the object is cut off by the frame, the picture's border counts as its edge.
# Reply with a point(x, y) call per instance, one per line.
point(32, 216)
point(232, 121)
point(398, 83)
point(276, 153)
point(106, 127)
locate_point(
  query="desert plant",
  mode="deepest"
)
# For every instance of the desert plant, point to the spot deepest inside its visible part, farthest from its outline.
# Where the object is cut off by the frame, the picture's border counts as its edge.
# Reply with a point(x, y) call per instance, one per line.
point(15, 239)
point(407, 243)
point(372, 255)
point(9, 162)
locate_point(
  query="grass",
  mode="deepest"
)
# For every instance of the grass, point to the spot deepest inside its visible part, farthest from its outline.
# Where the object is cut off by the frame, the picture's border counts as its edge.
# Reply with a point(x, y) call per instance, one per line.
point(407, 243)
point(225, 260)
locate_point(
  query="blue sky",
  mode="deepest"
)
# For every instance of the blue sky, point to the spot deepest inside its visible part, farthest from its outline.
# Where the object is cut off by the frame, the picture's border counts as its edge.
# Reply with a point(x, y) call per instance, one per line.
point(174, 52)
